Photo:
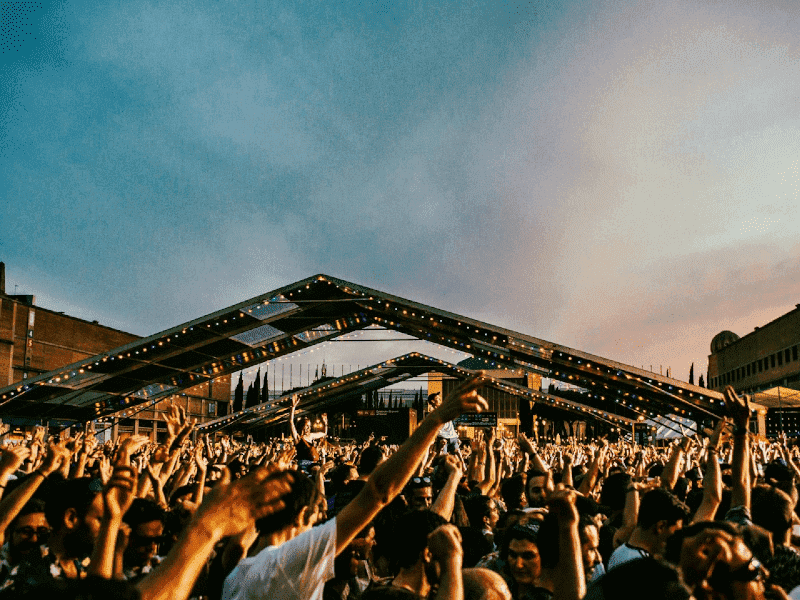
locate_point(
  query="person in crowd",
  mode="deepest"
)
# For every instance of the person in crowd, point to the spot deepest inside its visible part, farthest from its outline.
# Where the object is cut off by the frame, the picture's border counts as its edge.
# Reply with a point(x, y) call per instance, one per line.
point(660, 515)
point(484, 584)
point(146, 521)
point(522, 560)
point(427, 555)
point(305, 442)
point(271, 534)
point(419, 493)
point(447, 432)
point(26, 534)
point(483, 516)
point(301, 565)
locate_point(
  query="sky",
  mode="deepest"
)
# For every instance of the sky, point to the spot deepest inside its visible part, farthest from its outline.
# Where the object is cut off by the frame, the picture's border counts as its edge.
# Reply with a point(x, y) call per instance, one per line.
point(619, 177)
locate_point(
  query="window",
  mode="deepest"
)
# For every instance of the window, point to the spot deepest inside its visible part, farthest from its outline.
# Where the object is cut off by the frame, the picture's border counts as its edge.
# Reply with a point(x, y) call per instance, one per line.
point(780, 358)
point(772, 361)
point(794, 352)
point(760, 365)
point(212, 409)
point(786, 355)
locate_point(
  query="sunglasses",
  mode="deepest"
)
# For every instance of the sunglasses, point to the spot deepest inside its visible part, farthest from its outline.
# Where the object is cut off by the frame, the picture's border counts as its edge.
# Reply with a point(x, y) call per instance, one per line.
point(29, 532)
point(420, 480)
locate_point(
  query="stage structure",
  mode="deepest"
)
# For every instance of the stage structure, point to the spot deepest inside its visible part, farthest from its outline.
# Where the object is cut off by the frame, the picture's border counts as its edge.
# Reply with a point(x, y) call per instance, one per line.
point(327, 395)
point(319, 309)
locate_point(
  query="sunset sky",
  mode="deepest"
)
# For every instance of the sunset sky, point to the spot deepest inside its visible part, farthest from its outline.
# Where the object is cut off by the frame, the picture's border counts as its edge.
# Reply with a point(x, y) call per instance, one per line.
point(620, 177)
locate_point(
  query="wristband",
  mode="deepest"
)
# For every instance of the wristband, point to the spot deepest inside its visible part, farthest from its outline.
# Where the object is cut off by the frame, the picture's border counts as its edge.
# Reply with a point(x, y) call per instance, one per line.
point(37, 472)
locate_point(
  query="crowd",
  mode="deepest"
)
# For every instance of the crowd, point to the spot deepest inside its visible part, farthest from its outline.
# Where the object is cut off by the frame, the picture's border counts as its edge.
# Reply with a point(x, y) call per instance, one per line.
point(711, 516)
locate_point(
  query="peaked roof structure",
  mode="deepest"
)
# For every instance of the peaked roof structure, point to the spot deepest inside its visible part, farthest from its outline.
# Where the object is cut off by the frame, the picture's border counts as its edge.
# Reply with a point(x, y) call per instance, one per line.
point(335, 391)
point(320, 308)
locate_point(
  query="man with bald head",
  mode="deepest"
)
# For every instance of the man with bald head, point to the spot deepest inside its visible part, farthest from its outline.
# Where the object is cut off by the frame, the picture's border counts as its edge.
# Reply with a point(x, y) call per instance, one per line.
point(484, 584)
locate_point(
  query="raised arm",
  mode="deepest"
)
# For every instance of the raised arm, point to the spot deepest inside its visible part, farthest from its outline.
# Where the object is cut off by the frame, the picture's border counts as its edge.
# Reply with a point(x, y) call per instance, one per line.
point(739, 410)
point(443, 505)
point(11, 458)
point(444, 544)
point(13, 502)
point(389, 478)
point(569, 582)
point(590, 479)
point(712, 479)
point(117, 499)
point(292, 428)
point(230, 510)
point(671, 472)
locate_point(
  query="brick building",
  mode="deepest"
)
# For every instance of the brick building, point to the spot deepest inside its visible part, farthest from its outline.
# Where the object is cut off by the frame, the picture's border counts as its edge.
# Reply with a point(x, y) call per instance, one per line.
point(35, 340)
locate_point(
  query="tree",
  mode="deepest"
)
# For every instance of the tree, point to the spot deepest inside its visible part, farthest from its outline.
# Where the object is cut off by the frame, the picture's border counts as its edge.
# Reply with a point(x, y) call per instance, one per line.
point(691, 374)
point(238, 395)
point(254, 392)
point(265, 390)
point(701, 383)
point(249, 399)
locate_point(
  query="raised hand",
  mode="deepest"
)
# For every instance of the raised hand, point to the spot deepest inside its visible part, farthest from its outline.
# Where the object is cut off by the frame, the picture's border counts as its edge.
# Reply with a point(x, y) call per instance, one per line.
point(452, 466)
point(233, 507)
point(128, 448)
point(120, 491)
point(561, 502)
point(57, 454)
point(183, 434)
point(201, 462)
point(175, 419)
point(285, 457)
point(38, 435)
point(525, 444)
point(738, 407)
point(105, 468)
point(713, 441)
point(74, 444)
point(463, 398)
point(12, 457)
point(489, 435)
point(445, 543)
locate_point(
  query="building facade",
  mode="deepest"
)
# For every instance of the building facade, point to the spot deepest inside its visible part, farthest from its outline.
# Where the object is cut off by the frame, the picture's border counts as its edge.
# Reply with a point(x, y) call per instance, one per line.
point(763, 359)
point(35, 340)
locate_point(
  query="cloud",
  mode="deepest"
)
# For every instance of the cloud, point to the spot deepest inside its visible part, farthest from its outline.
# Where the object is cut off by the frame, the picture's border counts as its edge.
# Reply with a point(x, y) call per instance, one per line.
point(607, 177)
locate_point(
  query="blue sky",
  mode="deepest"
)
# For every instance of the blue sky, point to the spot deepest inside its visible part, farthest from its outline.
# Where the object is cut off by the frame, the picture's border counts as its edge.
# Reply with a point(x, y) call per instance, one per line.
point(619, 177)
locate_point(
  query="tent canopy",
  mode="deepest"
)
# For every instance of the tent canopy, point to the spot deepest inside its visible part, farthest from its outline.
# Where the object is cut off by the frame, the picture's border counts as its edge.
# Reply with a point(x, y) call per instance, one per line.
point(320, 308)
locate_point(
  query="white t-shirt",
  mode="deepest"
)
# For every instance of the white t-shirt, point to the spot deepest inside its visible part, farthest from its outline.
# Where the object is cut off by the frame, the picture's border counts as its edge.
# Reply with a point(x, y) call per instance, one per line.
point(624, 554)
point(298, 568)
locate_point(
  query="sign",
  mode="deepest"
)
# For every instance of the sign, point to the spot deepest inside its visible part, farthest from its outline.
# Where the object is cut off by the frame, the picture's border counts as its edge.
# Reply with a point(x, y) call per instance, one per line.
point(487, 419)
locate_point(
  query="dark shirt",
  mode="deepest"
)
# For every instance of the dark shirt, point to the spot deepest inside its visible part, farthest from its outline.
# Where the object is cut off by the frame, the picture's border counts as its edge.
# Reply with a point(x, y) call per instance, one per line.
point(537, 594)
point(389, 592)
point(306, 451)
point(784, 567)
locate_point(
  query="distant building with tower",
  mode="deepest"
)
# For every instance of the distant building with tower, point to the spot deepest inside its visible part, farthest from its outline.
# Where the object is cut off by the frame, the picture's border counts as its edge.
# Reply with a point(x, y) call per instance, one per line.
point(765, 363)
